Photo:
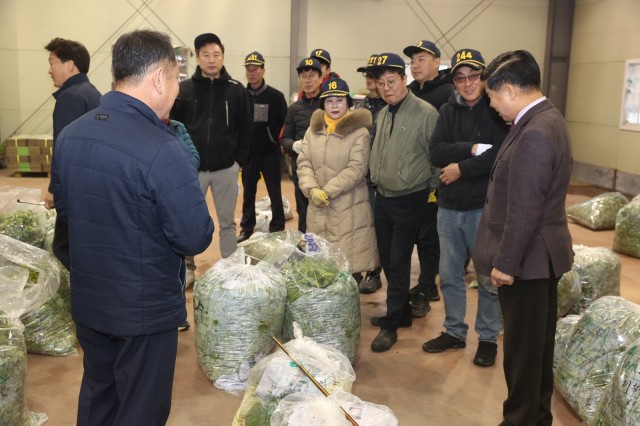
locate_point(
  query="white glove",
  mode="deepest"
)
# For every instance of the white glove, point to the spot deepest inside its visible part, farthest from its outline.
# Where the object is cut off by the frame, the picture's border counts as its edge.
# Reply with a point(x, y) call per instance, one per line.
point(297, 146)
point(482, 147)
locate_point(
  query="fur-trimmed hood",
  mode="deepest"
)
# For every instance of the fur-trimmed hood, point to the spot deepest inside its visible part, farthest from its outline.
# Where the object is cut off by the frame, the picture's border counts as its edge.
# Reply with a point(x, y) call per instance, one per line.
point(357, 119)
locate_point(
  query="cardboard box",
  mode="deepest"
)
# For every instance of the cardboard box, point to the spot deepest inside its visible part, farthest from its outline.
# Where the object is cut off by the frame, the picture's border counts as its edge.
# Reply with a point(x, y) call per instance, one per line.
point(17, 159)
point(15, 141)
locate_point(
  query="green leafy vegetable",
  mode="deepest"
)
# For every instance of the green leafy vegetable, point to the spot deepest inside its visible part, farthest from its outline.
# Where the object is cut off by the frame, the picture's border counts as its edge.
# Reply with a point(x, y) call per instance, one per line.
point(599, 212)
point(24, 225)
point(626, 238)
point(569, 290)
point(599, 271)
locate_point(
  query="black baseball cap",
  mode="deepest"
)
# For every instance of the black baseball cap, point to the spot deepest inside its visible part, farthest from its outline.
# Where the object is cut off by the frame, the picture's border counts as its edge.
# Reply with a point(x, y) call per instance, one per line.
point(321, 55)
point(372, 61)
point(254, 58)
point(467, 57)
point(422, 46)
point(309, 63)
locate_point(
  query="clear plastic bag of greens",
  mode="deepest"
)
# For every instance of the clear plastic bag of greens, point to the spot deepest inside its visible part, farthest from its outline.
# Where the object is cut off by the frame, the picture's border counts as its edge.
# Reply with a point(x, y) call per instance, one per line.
point(569, 290)
point(620, 404)
point(564, 329)
point(238, 307)
point(626, 238)
point(277, 376)
point(308, 409)
point(274, 248)
point(363, 412)
point(585, 369)
point(51, 330)
point(599, 270)
point(599, 212)
point(264, 205)
point(50, 216)
point(23, 221)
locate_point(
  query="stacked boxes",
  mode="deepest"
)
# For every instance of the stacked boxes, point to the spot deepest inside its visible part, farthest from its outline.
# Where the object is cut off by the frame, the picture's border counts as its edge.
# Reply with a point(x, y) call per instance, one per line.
point(29, 153)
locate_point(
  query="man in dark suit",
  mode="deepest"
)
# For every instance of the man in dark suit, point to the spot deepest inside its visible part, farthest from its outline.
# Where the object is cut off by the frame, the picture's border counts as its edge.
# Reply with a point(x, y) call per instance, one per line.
point(523, 240)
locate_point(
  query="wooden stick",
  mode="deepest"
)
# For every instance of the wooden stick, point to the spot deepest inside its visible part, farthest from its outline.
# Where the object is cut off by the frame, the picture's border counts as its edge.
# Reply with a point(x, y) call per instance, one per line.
point(313, 380)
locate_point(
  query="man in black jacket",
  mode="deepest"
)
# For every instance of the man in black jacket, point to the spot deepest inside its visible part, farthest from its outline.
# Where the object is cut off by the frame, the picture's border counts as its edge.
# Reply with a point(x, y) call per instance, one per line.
point(215, 110)
point(269, 109)
point(296, 124)
point(434, 86)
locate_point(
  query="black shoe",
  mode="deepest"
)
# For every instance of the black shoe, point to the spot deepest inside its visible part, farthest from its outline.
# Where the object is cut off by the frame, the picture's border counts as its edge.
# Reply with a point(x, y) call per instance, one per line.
point(434, 296)
point(419, 304)
point(384, 340)
point(358, 277)
point(375, 321)
point(244, 235)
point(370, 284)
point(443, 342)
point(184, 326)
point(486, 354)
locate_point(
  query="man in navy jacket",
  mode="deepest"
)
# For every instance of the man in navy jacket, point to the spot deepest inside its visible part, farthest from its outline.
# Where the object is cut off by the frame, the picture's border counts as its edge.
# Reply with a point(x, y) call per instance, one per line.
point(129, 192)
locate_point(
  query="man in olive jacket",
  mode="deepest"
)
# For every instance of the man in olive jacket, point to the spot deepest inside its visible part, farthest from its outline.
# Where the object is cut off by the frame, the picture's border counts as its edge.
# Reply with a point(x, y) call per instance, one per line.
point(402, 173)
point(523, 240)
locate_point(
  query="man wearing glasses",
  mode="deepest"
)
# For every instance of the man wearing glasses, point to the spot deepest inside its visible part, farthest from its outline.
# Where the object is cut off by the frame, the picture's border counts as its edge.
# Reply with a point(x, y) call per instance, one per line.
point(434, 86)
point(401, 171)
point(467, 138)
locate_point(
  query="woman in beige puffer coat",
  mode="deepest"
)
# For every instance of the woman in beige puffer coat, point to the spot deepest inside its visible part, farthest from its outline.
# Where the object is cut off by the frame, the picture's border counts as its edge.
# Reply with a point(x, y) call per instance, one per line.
point(332, 166)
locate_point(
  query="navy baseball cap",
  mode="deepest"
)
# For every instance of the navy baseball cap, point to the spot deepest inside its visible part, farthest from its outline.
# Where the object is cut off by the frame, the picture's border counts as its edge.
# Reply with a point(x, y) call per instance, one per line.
point(467, 57)
point(321, 55)
point(388, 61)
point(309, 63)
point(334, 87)
point(372, 60)
point(254, 58)
point(422, 46)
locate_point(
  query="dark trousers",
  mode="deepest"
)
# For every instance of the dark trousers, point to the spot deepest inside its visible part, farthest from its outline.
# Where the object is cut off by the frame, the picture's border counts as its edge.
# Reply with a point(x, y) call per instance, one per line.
point(428, 244)
point(60, 244)
point(126, 380)
point(269, 165)
point(396, 222)
point(302, 202)
point(529, 312)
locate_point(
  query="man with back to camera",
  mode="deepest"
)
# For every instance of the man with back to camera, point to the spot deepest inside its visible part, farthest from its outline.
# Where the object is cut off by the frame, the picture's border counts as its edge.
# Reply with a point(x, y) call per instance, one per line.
point(296, 124)
point(464, 144)
point(434, 86)
point(127, 187)
point(68, 66)
point(402, 174)
point(523, 240)
point(215, 110)
point(269, 109)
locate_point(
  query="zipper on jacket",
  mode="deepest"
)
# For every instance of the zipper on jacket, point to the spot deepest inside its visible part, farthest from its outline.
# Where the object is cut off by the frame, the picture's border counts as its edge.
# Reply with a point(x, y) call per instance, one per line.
point(226, 106)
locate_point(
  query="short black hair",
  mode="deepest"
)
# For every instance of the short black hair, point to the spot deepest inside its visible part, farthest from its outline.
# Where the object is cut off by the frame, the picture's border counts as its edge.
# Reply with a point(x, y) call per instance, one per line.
point(69, 50)
point(517, 67)
point(136, 52)
point(310, 69)
point(378, 71)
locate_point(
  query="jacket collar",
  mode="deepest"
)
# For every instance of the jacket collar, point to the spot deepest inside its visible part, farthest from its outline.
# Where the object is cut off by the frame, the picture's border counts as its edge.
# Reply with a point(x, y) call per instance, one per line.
point(259, 90)
point(224, 75)
point(120, 101)
point(357, 119)
point(71, 81)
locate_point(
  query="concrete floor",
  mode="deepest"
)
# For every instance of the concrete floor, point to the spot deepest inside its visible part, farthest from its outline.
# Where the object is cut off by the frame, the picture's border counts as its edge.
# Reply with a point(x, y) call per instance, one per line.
point(421, 388)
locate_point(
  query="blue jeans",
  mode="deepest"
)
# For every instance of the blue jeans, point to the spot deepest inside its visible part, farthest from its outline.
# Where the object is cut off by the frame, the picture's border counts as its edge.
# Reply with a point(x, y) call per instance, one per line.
point(457, 231)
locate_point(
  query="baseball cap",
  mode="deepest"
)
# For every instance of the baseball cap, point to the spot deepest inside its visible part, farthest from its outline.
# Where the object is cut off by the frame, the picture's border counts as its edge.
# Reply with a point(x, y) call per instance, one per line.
point(422, 46)
point(468, 57)
point(309, 63)
point(388, 60)
point(334, 87)
point(207, 38)
point(321, 55)
point(254, 58)
point(372, 61)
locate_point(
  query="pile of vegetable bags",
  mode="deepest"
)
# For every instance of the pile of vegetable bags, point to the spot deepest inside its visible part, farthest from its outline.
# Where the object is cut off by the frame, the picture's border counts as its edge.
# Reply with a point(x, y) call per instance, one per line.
point(626, 238)
point(564, 330)
point(21, 221)
point(569, 291)
point(277, 376)
point(322, 296)
point(598, 213)
point(274, 248)
point(608, 327)
point(264, 214)
point(26, 282)
point(303, 409)
point(599, 270)
point(237, 308)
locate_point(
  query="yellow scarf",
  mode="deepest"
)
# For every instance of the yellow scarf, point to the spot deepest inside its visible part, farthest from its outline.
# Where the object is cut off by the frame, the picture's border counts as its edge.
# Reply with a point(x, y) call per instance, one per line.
point(331, 123)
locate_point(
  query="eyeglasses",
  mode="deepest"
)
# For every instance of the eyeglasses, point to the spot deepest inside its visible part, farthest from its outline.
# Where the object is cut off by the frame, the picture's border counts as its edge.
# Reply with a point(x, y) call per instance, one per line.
point(461, 79)
point(380, 84)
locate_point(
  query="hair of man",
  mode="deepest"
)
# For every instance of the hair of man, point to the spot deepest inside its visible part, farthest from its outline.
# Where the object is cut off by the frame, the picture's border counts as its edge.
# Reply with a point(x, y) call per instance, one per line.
point(69, 50)
point(518, 68)
point(137, 52)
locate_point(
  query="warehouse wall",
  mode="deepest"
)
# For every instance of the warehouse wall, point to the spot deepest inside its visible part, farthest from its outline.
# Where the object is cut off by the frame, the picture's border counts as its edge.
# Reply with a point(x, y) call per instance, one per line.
point(349, 29)
point(605, 34)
